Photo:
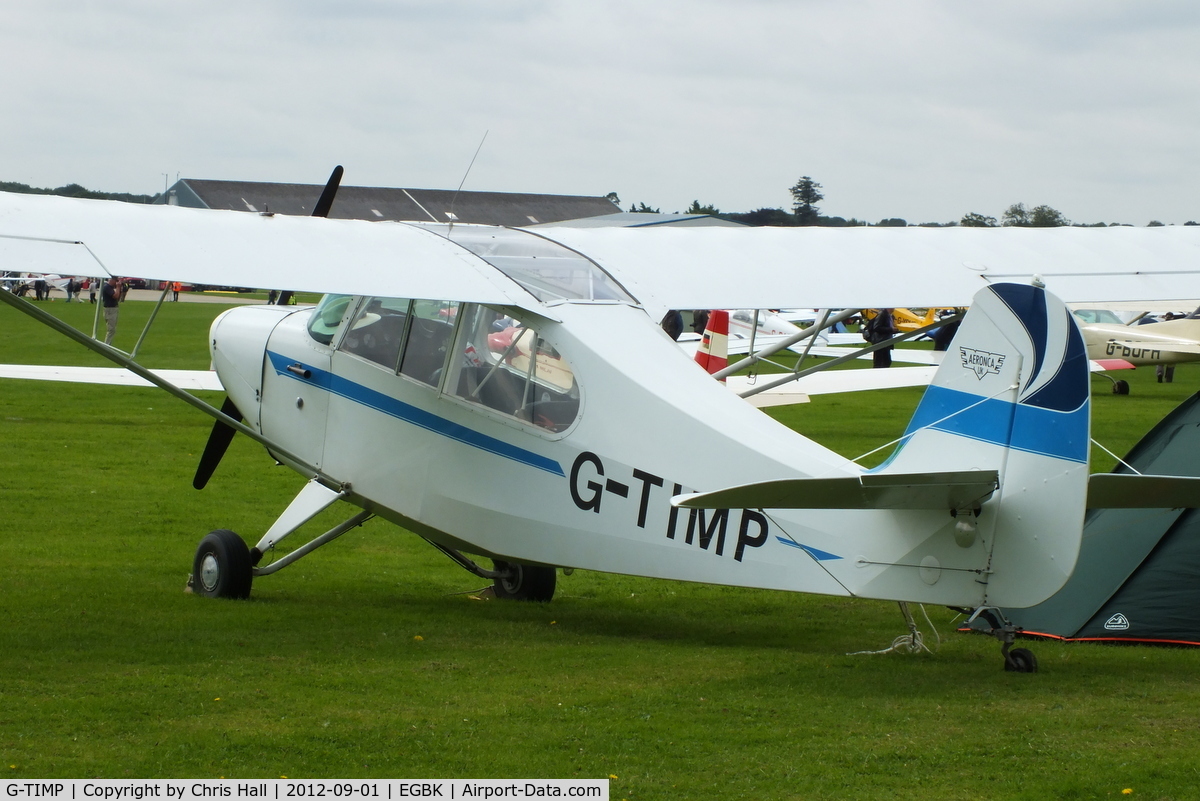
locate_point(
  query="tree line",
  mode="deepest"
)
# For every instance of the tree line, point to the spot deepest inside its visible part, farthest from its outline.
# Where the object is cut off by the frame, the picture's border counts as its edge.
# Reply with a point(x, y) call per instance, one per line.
point(807, 193)
point(74, 190)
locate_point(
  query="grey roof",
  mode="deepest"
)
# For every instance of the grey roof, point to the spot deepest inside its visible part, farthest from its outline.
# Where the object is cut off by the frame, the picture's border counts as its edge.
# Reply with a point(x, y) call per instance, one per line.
point(384, 203)
point(638, 219)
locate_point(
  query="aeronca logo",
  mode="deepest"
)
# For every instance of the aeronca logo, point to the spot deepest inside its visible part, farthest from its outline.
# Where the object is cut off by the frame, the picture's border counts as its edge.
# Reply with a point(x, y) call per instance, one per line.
point(1117, 622)
point(981, 361)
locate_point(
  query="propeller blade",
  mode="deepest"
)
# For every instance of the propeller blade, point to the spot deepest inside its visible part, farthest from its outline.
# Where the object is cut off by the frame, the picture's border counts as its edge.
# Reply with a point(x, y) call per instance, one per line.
point(218, 443)
point(324, 204)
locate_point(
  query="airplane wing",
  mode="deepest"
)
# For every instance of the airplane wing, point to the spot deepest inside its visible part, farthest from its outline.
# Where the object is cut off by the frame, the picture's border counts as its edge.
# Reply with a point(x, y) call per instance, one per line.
point(859, 267)
point(115, 376)
point(693, 268)
point(75, 236)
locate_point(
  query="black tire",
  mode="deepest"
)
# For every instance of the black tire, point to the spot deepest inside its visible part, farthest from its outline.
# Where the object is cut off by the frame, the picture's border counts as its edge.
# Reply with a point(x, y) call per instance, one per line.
point(222, 567)
point(1121, 387)
point(1021, 660)
point(524, 582)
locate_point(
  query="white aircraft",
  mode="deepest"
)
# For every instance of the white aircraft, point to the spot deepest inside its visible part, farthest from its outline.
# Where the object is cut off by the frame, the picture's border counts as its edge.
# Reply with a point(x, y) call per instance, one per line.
point(584, 439)
point(1163, 342)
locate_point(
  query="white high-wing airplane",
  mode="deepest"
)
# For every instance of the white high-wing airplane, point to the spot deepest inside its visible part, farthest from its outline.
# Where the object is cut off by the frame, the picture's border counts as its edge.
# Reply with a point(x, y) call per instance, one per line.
point(585, 439)
point(1163, 342)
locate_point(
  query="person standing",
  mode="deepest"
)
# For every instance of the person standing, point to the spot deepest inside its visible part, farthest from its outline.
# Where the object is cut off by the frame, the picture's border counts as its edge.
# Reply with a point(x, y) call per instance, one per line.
point(110, 298)
point(882, 327)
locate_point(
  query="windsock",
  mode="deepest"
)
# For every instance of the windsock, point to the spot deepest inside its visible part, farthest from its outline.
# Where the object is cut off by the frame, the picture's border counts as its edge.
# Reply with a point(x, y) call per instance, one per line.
point(713, 353)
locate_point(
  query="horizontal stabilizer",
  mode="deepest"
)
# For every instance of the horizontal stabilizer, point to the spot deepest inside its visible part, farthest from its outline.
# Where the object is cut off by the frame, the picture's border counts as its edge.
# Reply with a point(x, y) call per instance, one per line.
point(965, 489)
point(1132, 491)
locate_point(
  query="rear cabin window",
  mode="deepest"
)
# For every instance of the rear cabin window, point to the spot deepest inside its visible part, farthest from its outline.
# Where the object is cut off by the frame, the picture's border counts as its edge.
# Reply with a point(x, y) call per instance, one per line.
point(505, 365)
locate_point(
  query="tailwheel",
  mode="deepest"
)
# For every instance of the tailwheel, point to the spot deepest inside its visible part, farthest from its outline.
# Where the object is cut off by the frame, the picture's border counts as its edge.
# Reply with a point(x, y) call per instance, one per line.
point(991, 621)
point(222, 567)
point(1020, 660)
point(520, 582)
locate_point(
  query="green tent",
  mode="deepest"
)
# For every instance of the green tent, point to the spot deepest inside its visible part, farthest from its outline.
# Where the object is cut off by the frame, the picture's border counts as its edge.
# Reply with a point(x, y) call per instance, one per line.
point(1138, 575)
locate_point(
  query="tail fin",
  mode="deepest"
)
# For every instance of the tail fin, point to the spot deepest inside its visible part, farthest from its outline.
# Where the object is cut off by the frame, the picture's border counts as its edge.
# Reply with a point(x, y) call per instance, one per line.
point(1013, 396)
point(713, 353)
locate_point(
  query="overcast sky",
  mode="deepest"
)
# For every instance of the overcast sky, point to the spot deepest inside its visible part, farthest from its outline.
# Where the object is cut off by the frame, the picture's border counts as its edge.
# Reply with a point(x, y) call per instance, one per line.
point(923, 110)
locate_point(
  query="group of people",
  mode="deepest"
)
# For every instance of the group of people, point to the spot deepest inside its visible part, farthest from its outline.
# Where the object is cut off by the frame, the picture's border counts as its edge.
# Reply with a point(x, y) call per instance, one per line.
point(73, 287)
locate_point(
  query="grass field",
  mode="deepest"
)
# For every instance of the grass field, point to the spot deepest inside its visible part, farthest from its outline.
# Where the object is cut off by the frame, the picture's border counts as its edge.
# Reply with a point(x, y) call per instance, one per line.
point(373, 657)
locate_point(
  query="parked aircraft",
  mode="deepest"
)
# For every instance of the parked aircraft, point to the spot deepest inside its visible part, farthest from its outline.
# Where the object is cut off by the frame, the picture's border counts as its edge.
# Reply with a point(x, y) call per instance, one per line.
point(1163, 342)
point(561, 444)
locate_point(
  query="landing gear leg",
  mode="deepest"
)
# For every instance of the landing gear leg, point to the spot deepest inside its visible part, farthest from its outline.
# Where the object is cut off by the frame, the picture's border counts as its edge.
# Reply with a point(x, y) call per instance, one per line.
point(514, 581)
point(990, 620)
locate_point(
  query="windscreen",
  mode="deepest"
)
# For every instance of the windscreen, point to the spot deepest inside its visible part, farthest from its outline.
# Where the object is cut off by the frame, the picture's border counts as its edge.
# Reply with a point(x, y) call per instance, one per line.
point(547, 270)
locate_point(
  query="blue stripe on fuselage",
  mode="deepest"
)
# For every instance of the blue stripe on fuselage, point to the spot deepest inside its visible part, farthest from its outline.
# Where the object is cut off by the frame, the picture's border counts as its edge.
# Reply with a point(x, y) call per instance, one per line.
point(1061, 435)
point(372, 399)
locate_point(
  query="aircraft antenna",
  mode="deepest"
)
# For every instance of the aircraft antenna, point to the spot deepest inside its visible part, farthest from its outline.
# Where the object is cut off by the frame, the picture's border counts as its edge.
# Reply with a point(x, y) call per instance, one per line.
point(454, 199)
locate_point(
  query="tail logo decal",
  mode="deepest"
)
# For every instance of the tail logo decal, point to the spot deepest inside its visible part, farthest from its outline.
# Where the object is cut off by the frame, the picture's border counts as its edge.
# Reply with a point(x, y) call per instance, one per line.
point(981, 361)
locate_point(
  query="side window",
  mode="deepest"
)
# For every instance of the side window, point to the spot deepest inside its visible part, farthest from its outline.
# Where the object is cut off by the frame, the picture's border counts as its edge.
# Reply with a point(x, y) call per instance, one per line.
point(327, 317)
point(429, 334)
point(377, 331)
point(503, 364)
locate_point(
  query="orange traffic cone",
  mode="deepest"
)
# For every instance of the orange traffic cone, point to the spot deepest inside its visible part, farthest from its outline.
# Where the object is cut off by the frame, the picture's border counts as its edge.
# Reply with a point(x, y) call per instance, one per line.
point(713, 353)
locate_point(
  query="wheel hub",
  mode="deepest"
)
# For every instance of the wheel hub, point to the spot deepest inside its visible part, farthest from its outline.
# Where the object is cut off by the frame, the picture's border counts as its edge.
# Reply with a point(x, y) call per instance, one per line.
point(210, 572)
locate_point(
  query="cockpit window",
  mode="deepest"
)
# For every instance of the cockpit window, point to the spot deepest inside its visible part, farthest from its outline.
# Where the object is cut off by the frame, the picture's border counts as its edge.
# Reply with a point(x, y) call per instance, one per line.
point(505, 365)
point(327, 317)
point(1098, 316)
point(378, 331)
point(429, 334)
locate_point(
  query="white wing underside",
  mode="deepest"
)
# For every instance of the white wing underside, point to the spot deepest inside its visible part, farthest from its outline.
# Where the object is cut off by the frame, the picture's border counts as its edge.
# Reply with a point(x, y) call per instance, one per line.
point(693, 268)
point(115, 376)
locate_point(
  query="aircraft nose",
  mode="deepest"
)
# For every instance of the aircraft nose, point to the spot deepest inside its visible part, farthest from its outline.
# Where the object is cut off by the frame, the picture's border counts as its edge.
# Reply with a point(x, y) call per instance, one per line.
point(238, 344)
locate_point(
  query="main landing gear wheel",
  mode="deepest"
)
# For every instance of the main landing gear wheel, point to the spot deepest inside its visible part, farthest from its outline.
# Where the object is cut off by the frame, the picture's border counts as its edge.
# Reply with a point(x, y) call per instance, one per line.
point(519, 582)
point(222, 567)
point(1121, 387)
point(1020, 660)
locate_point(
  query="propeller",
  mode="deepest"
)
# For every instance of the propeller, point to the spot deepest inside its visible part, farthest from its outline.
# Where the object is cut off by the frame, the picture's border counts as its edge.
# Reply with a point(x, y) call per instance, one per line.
point(324, 204)
point(218, 442)
point(222, 433)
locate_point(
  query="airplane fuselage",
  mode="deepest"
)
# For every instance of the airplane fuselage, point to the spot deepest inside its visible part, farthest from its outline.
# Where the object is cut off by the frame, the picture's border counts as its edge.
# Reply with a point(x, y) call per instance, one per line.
point(585, 481)
point(1167, 342)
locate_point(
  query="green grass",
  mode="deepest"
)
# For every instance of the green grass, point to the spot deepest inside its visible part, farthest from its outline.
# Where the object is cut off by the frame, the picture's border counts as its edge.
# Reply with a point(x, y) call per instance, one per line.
point(108, 669)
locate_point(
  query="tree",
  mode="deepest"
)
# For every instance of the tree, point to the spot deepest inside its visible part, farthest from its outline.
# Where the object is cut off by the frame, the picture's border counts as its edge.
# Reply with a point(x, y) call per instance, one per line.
point(612, 197)
point(642, 208)
point(806, 194)
point(974, 220)
point(696, 208)
point(1046, 217)
point(761, 217)
point(1154, 224)
point(1037, 217)
point(1017, 215)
